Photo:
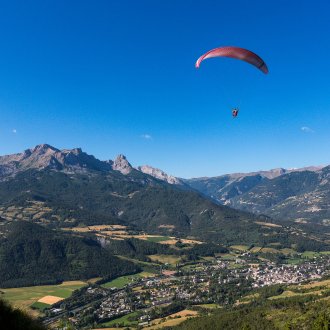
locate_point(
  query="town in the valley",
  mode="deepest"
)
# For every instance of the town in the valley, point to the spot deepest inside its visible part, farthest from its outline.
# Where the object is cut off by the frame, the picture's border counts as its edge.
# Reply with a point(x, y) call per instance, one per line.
point(220, 281)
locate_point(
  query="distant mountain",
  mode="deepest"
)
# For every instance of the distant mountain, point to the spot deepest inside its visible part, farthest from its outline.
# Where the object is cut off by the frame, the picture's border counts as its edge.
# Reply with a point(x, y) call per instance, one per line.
point(44, 156)
point(67, 188)
point(302, 194)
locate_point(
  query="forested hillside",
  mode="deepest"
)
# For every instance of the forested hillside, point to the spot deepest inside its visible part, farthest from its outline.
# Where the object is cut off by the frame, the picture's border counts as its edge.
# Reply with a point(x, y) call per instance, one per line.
point(33, 255)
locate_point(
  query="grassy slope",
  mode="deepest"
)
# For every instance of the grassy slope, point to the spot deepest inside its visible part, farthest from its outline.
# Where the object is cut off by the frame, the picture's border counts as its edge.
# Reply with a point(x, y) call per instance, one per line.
point(302, 307)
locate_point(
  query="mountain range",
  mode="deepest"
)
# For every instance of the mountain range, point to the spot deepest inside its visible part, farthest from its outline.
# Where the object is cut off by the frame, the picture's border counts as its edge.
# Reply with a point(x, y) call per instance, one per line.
point(61, 188)
point(44, 156)
point(301, 195)
point(67, 188)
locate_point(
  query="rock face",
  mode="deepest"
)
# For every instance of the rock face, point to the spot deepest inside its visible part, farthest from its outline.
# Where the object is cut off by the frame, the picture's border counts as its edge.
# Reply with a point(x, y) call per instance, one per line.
point(44, 156)
point(159, 174)
point(122, 165)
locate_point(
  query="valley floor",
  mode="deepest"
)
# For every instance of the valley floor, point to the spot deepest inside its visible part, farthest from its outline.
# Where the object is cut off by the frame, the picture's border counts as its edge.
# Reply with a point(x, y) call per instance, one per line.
point(178, 292)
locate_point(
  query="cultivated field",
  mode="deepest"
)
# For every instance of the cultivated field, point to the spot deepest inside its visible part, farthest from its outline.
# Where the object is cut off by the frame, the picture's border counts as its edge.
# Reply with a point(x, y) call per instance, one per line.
point(165, 259)
point(172, 320)
point(124, 321)
point(122, 232)
point(242, 248)
point(208, 306)
point(267, 224)
point(35, 211)
point(121, 281)
point(50, 300)
point(26, 296)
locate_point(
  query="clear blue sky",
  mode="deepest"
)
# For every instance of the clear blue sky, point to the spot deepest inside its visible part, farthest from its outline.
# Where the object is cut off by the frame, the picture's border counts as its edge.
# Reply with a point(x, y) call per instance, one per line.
point(118, 77)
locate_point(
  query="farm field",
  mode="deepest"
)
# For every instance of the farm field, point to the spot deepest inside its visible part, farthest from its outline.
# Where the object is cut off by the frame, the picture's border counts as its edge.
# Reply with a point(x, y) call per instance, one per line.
point(172, 320)
point(120, 232)
point(123, 321)
point(35, 210)
point(312, 288)
point(165, 259)
point(208, 306)
point(158, 239)
point(267, 224)
point(39, 306)
point(242, 248)
point(25, 297)
point(288, 294)
point(227, 256)
point(121, 281)
point(288, 251)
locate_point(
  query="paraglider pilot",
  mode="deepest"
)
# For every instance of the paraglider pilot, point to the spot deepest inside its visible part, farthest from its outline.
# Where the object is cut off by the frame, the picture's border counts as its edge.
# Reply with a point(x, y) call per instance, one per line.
point(235, 112)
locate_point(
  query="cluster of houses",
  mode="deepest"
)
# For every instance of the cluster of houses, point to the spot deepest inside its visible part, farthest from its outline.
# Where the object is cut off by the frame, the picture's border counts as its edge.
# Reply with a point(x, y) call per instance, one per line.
point(193, 285)
point(288, 274)
point(115, 305)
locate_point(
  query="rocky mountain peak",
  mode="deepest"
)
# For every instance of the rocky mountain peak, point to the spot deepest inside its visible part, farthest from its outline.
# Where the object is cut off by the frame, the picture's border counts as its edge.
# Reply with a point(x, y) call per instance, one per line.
point(159, 174)
point(45, 156)
point(43, 148)
point(122, 165)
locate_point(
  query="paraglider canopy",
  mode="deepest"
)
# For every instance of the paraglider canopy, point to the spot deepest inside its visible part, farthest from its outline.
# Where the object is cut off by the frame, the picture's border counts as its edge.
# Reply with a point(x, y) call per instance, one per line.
point(235, 52)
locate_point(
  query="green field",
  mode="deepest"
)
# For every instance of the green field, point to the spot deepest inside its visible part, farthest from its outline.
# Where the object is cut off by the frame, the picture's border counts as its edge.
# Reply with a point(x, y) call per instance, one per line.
point(39, 305)
point(256, 249)
point(27, 296)
point(285, 294)
point(269, 250)
point(124, 321)
point(310, 254)
point(149, 267)
point(242, 248)
point(234, 265)
point(121, 281)
point(191, 266)
point(157, 239)
point(288, 251)
point(208, 306)
point(165, 259)
point(208, 258)
point(227, 256)
point(294, 261)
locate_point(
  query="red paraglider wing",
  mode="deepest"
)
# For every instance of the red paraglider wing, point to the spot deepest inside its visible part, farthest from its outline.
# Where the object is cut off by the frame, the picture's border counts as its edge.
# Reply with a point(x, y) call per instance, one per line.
point(235, 52)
